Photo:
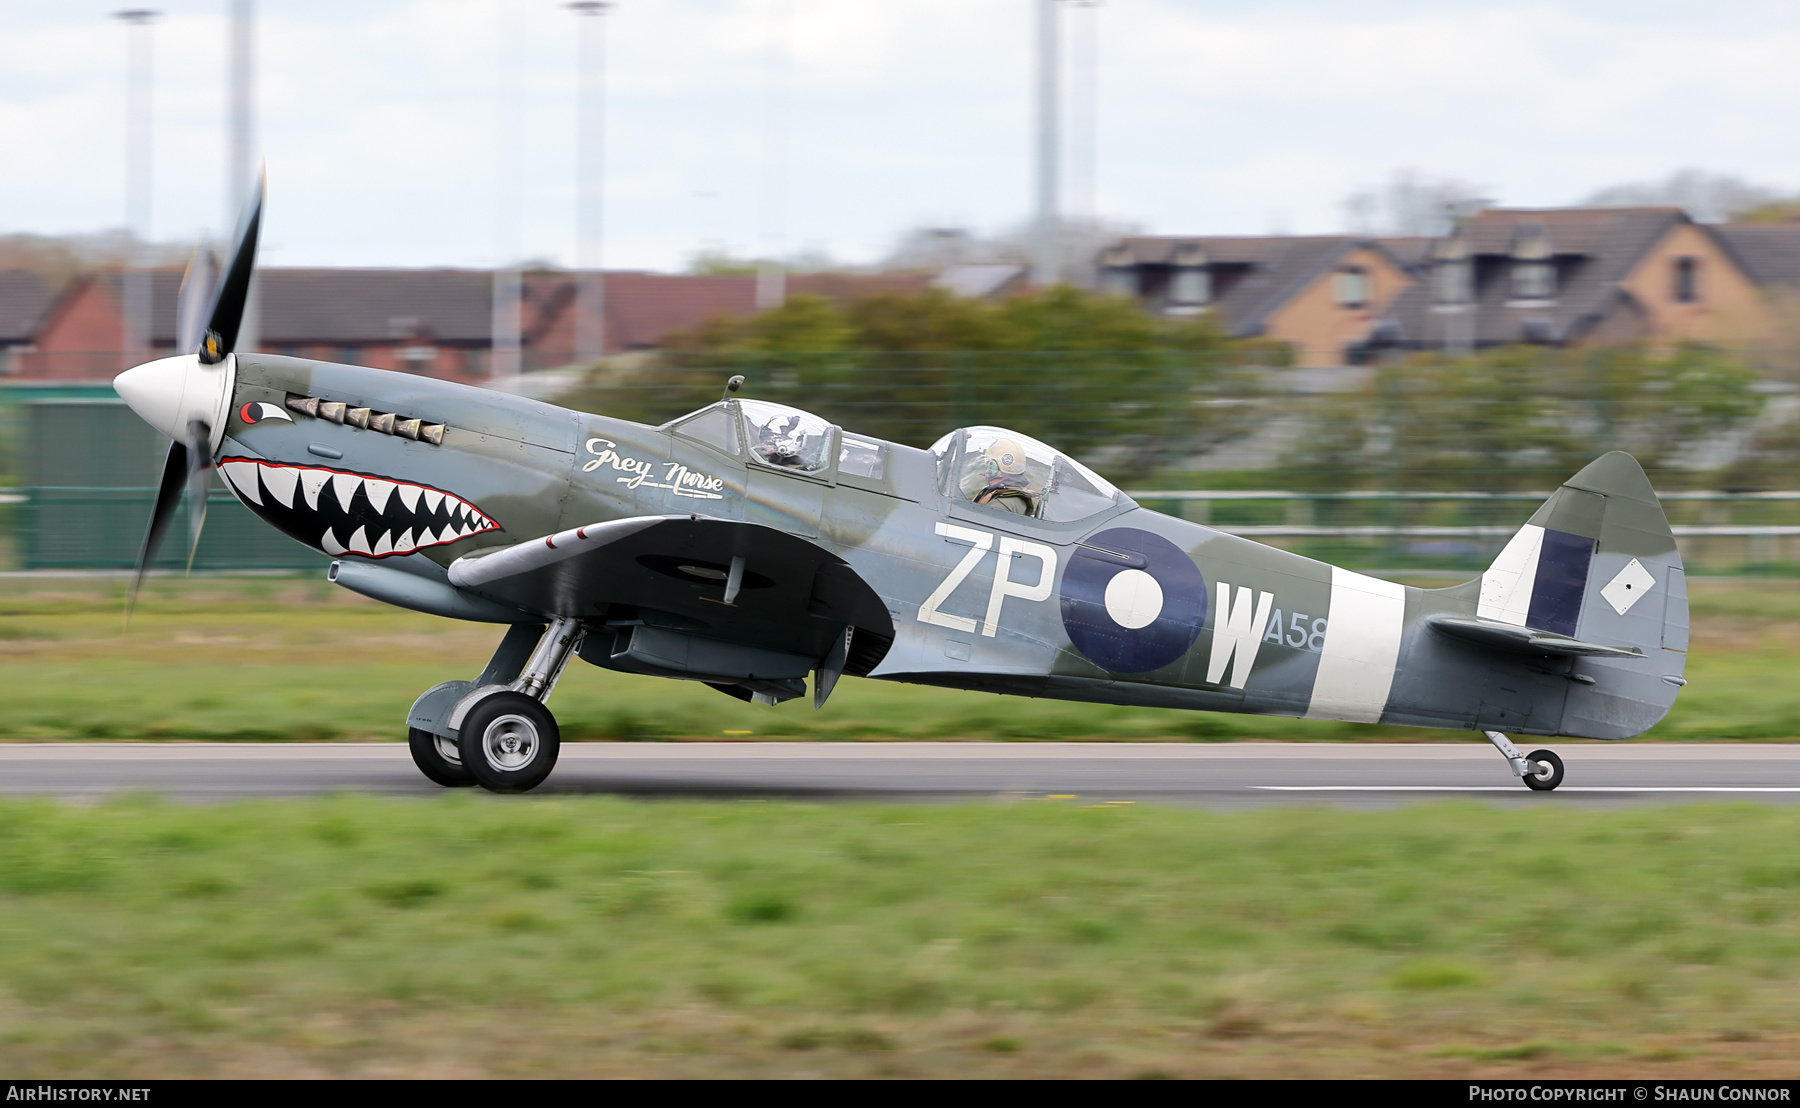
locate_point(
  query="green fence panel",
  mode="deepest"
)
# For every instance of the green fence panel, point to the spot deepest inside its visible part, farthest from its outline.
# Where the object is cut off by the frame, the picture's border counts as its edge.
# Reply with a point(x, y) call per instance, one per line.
point(91, 468)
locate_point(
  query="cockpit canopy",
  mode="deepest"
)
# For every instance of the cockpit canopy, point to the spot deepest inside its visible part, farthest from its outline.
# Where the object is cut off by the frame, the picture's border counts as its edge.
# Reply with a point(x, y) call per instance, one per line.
point(990, 467)
point(780, 436)
point(1006, 471)
point(786, 437)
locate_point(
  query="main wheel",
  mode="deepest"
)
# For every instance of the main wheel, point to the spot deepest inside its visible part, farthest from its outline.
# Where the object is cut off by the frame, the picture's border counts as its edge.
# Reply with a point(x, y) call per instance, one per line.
point(438, 759)
point(1544, 780)
point(509, 742)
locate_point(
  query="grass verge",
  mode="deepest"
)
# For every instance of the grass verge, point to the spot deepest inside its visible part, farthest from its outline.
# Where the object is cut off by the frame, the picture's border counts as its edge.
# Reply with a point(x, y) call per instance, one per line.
point(468, 936)
point(291, 659)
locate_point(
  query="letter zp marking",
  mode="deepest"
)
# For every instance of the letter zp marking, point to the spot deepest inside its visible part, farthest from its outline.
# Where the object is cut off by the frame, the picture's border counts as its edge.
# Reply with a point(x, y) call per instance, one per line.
point(980, 542)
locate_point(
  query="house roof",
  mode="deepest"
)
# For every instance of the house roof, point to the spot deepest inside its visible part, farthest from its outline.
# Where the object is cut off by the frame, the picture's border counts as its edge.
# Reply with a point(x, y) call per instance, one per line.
point(363, 307)
point(1595, 248)
point(24, 301)
point(1284, 269)
point(1411, 251)
point(1280, 266)
point(1579, 231)
point(346, 306)
point(977, 279)
point(641, 308)
point(1219, 249)
point(1769, 252)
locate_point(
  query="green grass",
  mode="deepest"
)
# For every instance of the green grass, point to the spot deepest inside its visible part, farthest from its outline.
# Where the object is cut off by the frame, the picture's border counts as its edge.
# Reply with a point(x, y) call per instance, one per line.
point(469, 936)
point(297, 659)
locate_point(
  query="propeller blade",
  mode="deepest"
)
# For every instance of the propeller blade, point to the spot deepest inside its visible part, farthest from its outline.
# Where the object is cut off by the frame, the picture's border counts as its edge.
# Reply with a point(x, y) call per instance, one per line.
point(234, 290)
point(168, 495)
point(196, 297)
point(199, 483)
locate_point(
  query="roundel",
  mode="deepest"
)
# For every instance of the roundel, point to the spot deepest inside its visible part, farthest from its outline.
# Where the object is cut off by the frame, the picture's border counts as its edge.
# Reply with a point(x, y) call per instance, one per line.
point(1132, 601)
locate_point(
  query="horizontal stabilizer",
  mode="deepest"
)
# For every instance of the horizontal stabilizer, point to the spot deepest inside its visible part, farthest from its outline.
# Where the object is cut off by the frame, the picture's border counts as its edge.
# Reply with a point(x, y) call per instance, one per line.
point(1508, 636)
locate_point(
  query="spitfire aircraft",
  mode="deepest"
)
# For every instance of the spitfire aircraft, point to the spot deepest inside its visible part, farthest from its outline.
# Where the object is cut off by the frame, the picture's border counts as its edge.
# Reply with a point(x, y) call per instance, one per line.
point(749, 545)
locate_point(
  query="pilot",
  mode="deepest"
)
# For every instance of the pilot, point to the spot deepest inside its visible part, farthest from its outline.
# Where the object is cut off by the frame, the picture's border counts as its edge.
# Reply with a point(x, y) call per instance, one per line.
point(1004, 483)
point(783, 442)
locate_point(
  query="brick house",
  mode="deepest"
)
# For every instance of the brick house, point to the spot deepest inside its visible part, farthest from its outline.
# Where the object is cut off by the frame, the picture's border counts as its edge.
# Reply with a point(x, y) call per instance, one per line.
point(1322, 294)
point(1586, 276)
point(24, 301)
point(437, 322)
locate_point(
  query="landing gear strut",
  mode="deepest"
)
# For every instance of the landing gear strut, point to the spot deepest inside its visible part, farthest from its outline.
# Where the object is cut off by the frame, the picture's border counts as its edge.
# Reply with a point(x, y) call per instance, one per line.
point(1541, 770)
point(495, 731)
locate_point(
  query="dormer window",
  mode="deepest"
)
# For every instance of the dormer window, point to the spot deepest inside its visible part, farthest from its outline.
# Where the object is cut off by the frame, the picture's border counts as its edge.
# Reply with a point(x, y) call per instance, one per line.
point(1450, 281)
point(1533, 263)
point(1451, 278)
point(1687, 280)
point(1533, 280)
point(1118, 272)
point(1191, 284)
point(1350, 287)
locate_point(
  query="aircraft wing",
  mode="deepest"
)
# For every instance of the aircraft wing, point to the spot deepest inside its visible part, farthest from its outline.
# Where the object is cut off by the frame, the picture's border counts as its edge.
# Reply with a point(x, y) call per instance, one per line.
point(739, 605)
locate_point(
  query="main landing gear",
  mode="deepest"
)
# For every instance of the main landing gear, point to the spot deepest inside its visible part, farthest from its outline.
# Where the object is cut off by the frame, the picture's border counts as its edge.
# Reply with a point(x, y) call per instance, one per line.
point(1541, 770)
point(494, 731)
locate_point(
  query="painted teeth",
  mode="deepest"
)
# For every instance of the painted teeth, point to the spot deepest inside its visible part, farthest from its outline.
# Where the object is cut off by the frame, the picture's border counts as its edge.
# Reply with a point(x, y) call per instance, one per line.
point(387, 423)
point(351, 512)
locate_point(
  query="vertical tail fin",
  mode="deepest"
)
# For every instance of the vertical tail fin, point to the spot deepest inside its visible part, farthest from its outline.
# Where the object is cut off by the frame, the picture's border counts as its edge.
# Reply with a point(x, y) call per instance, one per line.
point(1598, 563)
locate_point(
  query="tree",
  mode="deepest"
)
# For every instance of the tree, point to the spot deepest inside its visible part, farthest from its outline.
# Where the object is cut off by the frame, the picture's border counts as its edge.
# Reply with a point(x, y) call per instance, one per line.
point(1079, 370)
point(1707, 197)
point(1517, 418)
point(1411, 204)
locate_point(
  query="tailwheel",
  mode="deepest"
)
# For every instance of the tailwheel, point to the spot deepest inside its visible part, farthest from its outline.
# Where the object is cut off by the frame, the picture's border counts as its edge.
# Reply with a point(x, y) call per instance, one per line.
point(508, 742)
point(1546, 770)
point(438, 758)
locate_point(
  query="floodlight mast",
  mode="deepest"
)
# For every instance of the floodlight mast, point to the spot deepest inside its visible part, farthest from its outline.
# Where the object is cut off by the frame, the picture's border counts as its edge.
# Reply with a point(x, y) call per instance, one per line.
point(241, 171)
point(1046, 264)
point(505, 357)
point(590, 135)
point(1084, 130)
point(771, 272)
point(136, 340)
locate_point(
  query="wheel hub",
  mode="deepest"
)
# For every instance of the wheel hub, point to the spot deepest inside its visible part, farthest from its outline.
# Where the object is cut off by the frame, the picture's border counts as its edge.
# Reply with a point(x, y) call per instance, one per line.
point(510, 743)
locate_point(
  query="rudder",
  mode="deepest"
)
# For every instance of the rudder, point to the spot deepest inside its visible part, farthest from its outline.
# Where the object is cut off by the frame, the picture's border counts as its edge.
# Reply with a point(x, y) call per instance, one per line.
point(1598, 563)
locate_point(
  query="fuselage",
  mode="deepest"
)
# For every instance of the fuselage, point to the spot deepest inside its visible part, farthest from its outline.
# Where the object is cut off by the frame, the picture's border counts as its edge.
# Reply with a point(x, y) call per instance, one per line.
point(1120, 604)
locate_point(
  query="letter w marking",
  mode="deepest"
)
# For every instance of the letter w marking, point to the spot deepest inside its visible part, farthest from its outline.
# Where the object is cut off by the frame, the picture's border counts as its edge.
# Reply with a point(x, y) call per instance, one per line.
point(1237, 633)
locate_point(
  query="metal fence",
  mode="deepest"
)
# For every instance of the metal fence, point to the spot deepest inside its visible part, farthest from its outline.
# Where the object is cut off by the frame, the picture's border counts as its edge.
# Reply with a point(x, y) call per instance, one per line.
point(1416, 466)
point(1719, 532)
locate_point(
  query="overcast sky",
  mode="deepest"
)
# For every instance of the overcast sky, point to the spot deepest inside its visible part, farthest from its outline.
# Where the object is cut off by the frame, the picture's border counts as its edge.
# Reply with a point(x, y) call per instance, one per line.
point(378, 118)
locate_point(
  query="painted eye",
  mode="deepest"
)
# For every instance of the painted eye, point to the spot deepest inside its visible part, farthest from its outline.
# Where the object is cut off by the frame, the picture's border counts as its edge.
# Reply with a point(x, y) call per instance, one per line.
point(256, 411)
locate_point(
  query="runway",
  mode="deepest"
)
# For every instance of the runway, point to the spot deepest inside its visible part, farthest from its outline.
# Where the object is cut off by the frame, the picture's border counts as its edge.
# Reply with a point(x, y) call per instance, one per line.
point(1225, 775)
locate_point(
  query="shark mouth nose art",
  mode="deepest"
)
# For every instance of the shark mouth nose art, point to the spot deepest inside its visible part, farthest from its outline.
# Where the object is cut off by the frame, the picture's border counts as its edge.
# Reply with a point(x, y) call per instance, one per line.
point(352, 513)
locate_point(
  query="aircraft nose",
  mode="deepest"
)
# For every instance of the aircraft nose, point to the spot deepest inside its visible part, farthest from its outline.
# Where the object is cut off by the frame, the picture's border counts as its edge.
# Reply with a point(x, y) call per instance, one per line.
point(154, 391)
point(169, 393)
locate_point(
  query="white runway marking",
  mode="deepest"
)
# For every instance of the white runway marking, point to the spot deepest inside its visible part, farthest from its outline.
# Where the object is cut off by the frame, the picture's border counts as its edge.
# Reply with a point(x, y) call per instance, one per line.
point(1515, 788)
